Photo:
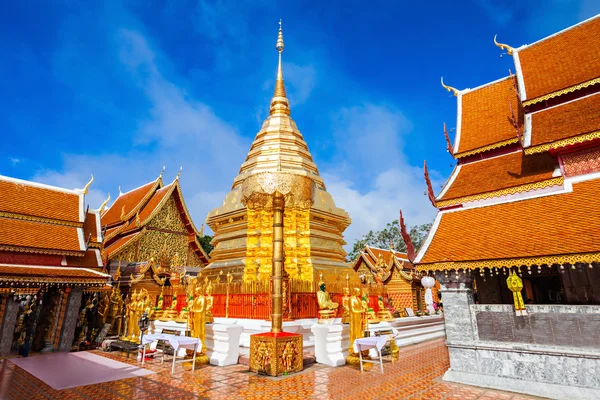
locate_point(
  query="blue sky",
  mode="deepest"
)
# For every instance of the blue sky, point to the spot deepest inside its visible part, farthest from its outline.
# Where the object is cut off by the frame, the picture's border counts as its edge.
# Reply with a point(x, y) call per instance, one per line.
point(119, 89)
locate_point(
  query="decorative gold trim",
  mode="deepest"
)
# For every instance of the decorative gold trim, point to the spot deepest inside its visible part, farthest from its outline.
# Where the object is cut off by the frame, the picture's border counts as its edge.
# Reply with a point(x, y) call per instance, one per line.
point(486, 148)
point(571, 89)
point(585, 258)
point(562, 143)
point(449, 88)
point(504, 192)
point(46, 279)
point(43, 251)
point(503, 46)
point(41, 219)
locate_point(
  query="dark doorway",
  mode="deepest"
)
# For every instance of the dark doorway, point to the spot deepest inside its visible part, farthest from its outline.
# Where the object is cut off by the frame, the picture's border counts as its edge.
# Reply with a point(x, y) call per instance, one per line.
point(545, 290)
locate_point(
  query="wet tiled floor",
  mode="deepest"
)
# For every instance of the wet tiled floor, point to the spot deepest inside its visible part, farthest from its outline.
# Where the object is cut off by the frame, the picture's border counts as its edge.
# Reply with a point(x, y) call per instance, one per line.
point(417, 375)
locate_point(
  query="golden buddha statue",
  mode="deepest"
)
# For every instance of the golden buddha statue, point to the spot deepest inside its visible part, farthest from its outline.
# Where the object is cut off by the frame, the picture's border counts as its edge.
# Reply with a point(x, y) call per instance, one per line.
point(138, 311)
point(198, 322)
point(158, 310)
point(383, 314)
point(357, 311)
point(131, 320)
point(171, 313)
point(345, 305)
point(209, 304)
point(371, 317)
point(327, 308)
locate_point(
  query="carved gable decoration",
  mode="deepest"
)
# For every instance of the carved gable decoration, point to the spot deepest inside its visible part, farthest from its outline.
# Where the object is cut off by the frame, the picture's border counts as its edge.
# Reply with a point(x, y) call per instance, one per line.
point(168, 217)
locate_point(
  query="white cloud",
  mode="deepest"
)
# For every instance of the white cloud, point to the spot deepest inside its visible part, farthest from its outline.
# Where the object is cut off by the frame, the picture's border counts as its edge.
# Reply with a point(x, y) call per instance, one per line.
point(300, 80)
point(14, 161)
point(372, 178)
point(177, 130)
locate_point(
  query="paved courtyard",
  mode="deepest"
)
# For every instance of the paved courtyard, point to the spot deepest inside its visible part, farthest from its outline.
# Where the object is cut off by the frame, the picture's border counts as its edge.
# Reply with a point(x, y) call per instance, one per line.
point(417, 375)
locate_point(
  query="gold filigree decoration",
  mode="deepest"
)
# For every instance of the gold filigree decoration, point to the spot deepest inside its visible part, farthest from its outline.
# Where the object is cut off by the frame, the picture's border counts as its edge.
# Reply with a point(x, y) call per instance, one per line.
point(504, 192)
point(486, 148)
point(585, 258)
point(258, 190)
point(562, 143)
point(42, 251)
point(571, 89)
point(41, 219)
point(167, 216)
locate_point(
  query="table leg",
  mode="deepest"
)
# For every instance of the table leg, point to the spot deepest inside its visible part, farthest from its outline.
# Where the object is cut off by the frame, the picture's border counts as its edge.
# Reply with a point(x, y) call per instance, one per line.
point(194, 362)
point(174, 357)
point(144, 355)
point(380, 361)
point(360, 357)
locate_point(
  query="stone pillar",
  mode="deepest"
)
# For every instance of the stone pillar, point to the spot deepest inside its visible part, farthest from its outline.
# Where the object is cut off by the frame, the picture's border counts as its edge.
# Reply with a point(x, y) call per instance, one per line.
point(457, 297)
point(69, 323)
point(9, 322)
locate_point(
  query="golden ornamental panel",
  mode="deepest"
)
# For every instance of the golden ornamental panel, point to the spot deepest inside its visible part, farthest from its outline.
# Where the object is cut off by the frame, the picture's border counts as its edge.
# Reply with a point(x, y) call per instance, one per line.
point(561, 92)
point(563, 143)
point(276, 355)
point(168, 218)
point(504, 192)
point(585, 258)
point(257, 190)
point(486, 148)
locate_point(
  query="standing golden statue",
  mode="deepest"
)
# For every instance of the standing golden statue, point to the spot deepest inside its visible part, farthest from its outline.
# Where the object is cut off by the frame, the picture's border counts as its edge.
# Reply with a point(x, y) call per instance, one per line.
point(346, 306)
point(198, 322)
point(115, 311)
point(209, 304)
point(327, 308)
point(370, 316)
point(131, 320)
point(357, 312)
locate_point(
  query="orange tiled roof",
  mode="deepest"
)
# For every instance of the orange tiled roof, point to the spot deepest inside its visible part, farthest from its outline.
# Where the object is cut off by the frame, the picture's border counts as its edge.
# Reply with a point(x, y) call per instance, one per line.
point(561, 61)
point(38, 237)
point(27, 272)
point(559, 224)
point(90, 226)
point(130, 202)
point(39, 202)
point(498, 173)
point(372, 255)
point(568, 120)
point(485, 116)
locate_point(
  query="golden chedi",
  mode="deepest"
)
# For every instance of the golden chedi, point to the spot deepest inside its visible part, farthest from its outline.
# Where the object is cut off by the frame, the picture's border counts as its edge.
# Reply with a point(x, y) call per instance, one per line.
point(243, 225)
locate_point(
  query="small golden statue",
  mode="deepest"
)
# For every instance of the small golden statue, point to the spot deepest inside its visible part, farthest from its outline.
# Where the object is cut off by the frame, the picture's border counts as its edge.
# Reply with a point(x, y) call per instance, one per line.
point(115, 311)
point(357, 312)
point(370, 316)
point(103, 309)
point(209, 304)
point(158, 310)
point(346, 306)
point(383, 314)
point(171, 313)
point(327, 308)
point(287, 356)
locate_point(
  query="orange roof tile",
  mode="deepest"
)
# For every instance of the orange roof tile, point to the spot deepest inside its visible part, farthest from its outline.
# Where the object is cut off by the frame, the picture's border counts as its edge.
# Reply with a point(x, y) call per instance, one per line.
point(497, 173)
point(129, 202)
point(486, 116)
point(90, 227)
point(38, 237)
point(26, 272)
point(561, 61)
point(565, 223)
point(565, 121)
point(33, 200)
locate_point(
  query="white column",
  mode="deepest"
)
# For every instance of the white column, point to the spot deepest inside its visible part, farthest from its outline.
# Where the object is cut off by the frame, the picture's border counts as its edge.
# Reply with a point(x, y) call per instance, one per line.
point(331, 343)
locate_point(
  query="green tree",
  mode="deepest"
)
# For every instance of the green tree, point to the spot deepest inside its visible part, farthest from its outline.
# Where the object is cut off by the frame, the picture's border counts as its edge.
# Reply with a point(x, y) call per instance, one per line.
point(205, 243)
point(391, 232)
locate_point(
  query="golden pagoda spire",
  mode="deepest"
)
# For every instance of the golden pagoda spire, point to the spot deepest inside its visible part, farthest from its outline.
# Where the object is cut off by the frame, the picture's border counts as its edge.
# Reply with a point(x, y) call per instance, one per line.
point(280, 103)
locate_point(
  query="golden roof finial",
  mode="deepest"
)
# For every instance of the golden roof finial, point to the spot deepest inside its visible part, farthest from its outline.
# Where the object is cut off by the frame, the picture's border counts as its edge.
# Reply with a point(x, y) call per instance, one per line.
point(449, 88)
point(123, 213)
point(103, 205)
point(201, 232)
point(161, 173)
point(179, 173)
point(503, 46)
point(278, 104)
point(120, 193)
point(87, 187)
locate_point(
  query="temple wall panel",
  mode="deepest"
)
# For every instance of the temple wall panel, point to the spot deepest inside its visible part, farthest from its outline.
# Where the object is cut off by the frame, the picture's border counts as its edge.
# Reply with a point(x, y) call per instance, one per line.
point(168, 218)
point(152, 243)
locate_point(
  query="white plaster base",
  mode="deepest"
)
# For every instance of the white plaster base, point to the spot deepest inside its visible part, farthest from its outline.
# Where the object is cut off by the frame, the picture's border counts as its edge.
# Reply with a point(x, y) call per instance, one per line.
point(252, 326)
point(223, 343)
point(541, 389)
point(331, 343)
